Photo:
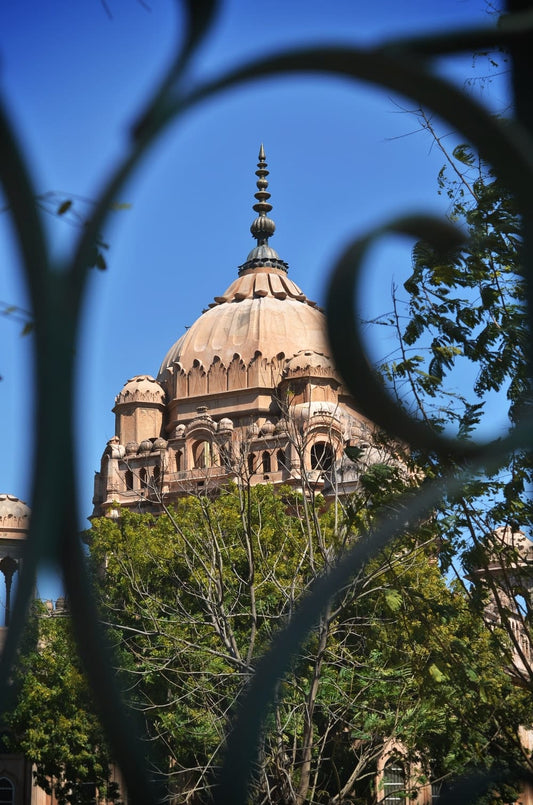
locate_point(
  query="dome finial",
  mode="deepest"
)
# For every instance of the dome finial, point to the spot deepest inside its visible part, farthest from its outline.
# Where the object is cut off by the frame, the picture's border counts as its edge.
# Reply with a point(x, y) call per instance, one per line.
point(263, 227)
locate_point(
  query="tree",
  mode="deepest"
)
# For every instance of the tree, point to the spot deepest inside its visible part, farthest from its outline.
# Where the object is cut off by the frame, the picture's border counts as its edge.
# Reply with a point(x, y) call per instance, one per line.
point(53, 721)
point(193, 597)
point(466, 327)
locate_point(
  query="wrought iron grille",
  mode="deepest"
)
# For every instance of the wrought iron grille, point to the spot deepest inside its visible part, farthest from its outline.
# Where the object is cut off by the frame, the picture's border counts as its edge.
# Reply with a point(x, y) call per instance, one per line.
point(56, 293)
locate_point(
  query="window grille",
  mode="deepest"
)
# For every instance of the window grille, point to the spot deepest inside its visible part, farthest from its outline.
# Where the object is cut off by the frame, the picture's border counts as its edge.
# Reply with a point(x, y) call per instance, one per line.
point(393, 783)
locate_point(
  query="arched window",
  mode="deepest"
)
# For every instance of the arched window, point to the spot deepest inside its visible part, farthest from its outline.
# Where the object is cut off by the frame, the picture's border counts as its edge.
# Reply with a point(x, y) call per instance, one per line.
point(251, 463)
point(7, 792)
point(393, 783)
point(142, 478)
point(179, 457)
point(321, 456)
point(281, 458)
point(156, 477)
point(202, 455)
point(266, 461)
point(225, 455)
point(128, 477)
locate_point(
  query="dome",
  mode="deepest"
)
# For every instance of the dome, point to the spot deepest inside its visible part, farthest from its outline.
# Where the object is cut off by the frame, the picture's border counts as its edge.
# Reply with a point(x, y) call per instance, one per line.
point(14, 517)
point(307, 361)
point(262, 311)
point(516, 539)
point(142, 388)
point(12, 508)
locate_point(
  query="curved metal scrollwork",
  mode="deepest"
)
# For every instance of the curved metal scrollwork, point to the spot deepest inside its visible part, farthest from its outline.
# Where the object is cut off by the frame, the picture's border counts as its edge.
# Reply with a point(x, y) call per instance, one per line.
point(57, 292)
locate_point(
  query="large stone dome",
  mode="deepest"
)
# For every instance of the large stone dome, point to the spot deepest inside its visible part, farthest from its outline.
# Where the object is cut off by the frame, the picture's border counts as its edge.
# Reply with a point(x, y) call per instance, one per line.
point(248, 393)
point(262, 311)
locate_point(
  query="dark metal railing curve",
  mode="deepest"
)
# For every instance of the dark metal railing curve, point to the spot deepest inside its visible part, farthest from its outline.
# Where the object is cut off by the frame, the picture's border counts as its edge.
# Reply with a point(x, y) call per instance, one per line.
point(57, 291)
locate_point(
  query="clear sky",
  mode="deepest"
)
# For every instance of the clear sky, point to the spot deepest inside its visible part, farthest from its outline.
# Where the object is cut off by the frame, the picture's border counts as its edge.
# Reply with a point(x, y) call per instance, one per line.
point(340, 161)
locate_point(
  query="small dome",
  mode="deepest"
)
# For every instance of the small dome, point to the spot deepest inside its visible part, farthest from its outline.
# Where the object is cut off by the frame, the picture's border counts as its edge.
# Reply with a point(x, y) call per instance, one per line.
point(131, 448)
point(320, 414)
point(225, 424)
point(14, 508)
point(515, 539)
point(159, 444)
point(114, 449)
point(307, 361)
point(145, 446)
point(202, 421)
point(142, 388)
point(263, 252)
point(267, 428)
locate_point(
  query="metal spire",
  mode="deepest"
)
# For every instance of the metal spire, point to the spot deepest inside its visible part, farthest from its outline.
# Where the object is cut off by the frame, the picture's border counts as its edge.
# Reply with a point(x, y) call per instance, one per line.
point(262, 227)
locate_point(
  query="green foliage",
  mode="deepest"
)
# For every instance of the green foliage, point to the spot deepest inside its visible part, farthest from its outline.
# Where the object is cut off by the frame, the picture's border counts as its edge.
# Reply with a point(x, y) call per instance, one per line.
point(466, 328)
point(468, 307)
point(193, 598)
point(53, 722)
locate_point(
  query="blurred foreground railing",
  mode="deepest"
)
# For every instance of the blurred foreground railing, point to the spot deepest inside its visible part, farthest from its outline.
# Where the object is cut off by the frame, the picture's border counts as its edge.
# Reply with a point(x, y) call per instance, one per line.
point(56, 293)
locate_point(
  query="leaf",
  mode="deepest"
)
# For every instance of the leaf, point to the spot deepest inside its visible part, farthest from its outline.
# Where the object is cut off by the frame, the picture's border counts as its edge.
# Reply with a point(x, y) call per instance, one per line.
point(28, 328)
point(100, 262)
point(465, 155)
point(120, 205)
point(393, 600)
point(436, 673)
point(64, 207)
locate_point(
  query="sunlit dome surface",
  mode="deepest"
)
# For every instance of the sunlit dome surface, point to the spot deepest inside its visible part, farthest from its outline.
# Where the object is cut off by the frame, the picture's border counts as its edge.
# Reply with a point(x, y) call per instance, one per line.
point(262, 311)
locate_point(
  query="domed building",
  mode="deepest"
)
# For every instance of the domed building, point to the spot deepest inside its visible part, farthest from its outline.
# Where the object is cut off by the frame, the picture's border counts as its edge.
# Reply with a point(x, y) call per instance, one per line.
point(247, 393)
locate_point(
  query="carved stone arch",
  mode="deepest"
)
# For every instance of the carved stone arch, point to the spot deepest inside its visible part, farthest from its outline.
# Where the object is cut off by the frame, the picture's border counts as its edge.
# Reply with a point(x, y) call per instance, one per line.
point(143, 478)
point(202, 454)
point(237, 373)
point(283, 459)
point(217, 377)
point(394, 780)
point(7, 788)
point(168, 380)
point(328, 426)
point(277, 366)
point(266, 461)
point(180, 381)
point(321, 455)
point(197, 380)
point(128, 480)
point(259, 373)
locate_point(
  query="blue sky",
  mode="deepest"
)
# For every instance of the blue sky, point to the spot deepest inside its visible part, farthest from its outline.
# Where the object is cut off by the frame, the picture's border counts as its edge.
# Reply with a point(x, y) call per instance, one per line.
point(339, 157)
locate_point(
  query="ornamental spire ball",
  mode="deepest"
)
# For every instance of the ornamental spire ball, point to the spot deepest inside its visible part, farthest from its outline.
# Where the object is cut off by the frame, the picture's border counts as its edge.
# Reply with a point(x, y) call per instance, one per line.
point(263, 227)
